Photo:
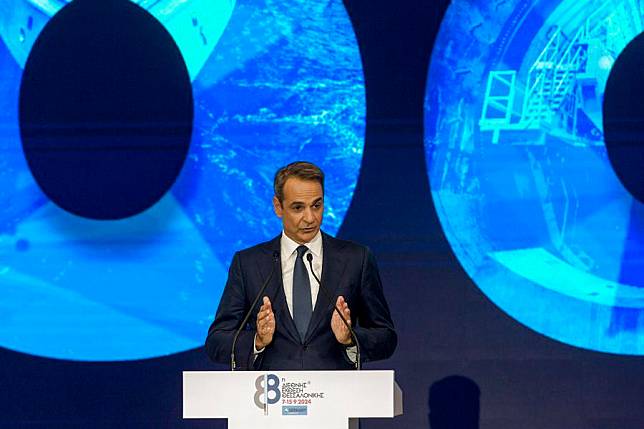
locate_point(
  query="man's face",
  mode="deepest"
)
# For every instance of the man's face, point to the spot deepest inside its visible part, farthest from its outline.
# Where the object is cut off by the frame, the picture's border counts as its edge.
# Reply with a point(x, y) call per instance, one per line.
point(302, 208)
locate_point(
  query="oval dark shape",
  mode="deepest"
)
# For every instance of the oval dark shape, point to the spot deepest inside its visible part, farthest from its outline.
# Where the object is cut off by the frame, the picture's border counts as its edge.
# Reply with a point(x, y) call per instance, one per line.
point(106, 109)
point(623, 115)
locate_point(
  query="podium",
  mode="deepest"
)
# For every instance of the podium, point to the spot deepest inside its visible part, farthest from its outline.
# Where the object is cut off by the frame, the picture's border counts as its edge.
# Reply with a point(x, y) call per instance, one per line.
point(290, 399)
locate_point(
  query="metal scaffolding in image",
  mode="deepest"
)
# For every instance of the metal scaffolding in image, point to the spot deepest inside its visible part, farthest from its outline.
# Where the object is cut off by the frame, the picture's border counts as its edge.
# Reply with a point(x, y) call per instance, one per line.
point(551, 97)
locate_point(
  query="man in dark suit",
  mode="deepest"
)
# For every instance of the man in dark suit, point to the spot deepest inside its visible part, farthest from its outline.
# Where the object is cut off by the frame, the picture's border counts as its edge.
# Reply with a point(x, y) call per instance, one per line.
point(296, 326)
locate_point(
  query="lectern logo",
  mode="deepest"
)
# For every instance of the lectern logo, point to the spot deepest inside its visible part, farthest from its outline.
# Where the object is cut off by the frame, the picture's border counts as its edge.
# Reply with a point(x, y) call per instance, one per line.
point(272, 386)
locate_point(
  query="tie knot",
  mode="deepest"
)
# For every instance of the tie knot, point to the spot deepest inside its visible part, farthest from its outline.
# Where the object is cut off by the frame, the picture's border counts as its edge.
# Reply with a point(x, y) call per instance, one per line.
point(301, 250)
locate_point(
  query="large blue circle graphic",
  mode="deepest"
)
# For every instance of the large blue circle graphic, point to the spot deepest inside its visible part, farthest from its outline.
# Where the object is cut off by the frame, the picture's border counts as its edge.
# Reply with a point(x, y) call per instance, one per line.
point(519, 172)
point(273, 82)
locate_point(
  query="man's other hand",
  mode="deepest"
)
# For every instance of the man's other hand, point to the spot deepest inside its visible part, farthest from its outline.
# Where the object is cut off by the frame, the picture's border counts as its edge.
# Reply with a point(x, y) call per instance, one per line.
point(265, 325)
point(338, 327)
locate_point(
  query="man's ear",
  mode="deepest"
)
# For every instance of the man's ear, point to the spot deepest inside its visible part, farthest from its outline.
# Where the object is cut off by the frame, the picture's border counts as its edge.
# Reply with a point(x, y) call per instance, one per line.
point(277, 207)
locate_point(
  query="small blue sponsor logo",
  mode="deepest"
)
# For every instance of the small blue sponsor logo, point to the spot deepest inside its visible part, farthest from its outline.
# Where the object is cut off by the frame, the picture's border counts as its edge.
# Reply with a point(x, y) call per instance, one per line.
point(294, 410)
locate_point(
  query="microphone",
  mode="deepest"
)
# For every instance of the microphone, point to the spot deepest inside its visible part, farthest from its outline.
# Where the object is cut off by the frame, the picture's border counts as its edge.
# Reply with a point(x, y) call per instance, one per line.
point(309, 257)
point(233, 365)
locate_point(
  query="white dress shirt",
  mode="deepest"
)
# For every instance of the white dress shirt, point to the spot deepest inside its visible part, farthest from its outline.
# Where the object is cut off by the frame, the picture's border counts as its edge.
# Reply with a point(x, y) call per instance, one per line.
point(288, 250)
point(288, 253)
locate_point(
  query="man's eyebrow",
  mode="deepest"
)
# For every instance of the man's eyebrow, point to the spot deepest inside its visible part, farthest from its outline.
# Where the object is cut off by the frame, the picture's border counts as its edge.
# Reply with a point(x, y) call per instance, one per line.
point(298, 203)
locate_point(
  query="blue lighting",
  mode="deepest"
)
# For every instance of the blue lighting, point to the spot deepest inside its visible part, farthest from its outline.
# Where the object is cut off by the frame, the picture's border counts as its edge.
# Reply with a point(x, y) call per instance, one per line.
point(519, 172)
point(605, 62)
point(273, 82)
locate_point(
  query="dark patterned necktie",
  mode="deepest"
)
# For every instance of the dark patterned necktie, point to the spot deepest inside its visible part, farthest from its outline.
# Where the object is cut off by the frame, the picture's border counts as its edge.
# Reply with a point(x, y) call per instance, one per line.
point(302, 309)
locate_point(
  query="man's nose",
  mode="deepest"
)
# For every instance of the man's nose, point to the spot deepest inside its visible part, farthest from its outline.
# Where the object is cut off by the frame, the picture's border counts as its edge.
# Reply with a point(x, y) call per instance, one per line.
point(308, 215)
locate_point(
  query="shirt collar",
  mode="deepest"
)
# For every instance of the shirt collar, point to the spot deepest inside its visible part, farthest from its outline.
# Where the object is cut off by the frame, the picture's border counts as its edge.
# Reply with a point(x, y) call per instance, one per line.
point(288, 246)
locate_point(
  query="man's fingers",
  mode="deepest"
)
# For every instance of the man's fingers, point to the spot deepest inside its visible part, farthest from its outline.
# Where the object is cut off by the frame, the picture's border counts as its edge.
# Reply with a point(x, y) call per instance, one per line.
point(266, 304)
point(265, 318)
point(347, 317)
point(343, 307)
point(341, 303)
point(265, 322)
point(338, 321)
point(265, 327)
point(341, 331)
point(265, 310)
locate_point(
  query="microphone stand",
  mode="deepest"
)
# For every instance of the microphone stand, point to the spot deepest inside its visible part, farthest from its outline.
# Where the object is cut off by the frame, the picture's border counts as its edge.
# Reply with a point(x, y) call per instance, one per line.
point(309, 258)
point(233, 365)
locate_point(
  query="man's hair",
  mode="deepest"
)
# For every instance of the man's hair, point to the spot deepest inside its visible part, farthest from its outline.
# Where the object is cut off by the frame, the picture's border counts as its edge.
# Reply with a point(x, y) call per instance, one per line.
point(302, 170)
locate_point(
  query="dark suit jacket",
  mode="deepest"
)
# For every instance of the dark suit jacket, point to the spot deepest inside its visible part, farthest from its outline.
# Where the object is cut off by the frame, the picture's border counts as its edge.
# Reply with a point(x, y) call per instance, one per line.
point(348, 269)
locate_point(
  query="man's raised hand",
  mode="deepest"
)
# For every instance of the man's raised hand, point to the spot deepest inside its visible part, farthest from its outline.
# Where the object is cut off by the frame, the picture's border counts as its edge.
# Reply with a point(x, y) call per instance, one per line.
point(338, 327)
point(265, 325)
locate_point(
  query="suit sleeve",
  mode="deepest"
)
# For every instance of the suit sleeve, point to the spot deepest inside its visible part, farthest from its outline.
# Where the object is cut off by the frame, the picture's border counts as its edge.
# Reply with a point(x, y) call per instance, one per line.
point(374, 326)
point(232, 309)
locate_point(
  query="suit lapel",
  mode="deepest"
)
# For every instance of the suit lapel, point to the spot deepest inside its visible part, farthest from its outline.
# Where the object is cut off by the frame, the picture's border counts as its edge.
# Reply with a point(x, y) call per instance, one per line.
point(333, 267)
point(275, 291)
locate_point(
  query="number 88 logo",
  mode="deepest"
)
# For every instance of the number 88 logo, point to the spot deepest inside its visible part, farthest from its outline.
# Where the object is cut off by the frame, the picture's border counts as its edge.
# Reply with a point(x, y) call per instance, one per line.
point(271, 394)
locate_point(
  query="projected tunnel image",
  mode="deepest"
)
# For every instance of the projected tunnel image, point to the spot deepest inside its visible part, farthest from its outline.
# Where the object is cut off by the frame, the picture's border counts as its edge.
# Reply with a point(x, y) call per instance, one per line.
point(273, 82)
point(519, 170)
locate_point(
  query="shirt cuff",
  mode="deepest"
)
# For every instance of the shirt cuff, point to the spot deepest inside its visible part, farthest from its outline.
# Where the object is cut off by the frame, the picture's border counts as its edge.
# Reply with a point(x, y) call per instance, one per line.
point(352, 353)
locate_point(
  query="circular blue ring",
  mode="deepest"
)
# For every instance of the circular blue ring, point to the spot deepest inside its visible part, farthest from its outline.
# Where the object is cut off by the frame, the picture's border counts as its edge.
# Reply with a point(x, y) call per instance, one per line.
point(273, 82)
point(518, 168)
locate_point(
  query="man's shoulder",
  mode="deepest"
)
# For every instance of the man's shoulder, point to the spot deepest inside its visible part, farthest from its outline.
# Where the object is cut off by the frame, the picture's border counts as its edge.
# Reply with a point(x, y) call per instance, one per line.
point(349, 246)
